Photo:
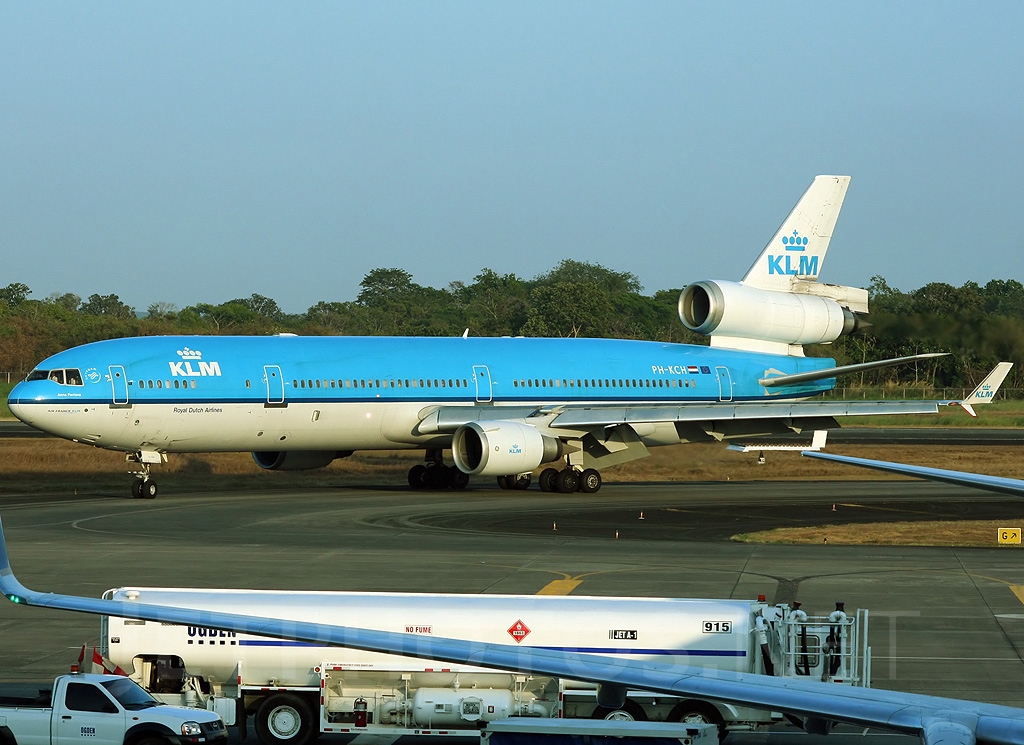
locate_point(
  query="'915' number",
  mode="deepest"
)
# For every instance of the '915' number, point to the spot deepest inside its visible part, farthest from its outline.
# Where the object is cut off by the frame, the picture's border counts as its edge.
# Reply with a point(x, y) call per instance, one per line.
point(718, 627)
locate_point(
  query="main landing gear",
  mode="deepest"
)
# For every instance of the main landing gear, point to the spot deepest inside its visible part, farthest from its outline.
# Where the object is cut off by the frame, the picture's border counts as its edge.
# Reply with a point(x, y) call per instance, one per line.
point(435, 475)
point(570, 479)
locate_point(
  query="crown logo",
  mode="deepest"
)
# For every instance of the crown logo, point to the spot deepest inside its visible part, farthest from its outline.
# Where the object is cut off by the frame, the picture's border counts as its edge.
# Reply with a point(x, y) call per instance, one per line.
point(794, 242)
point(190, 354)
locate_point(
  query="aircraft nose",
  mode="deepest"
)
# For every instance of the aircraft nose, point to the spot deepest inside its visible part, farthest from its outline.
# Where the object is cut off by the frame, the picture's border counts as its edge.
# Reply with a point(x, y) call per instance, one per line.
point(14, 402)
point(18, 402)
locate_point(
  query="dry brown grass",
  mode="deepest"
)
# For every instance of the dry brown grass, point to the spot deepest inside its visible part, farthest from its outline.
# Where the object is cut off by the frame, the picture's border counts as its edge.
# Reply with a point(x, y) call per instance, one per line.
point(931, 533)
point(43, 457)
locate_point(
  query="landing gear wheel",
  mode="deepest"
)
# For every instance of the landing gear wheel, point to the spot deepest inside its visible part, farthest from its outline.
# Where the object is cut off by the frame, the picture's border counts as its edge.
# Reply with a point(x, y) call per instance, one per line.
point(147, 490)
point(630, 711)
point(503, 482)
point(417, 476)
point(520, 482)
point(546, 480)
point(590, 481)
point(567, 480)
point(457, 479)
point(284, 719)
point(436, 477)
point(137, 488)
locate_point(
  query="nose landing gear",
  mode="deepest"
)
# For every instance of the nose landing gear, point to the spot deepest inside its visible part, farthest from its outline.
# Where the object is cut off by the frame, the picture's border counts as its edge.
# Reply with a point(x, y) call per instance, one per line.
point(144, 487)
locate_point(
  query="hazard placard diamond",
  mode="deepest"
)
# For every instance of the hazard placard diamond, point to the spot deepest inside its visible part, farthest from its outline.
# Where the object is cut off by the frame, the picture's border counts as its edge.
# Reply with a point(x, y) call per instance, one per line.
point(519, 631)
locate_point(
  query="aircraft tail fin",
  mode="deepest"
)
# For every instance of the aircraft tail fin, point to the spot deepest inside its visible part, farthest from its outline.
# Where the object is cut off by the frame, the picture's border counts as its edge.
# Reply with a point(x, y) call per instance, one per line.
point(986, 389)
point(797, 250)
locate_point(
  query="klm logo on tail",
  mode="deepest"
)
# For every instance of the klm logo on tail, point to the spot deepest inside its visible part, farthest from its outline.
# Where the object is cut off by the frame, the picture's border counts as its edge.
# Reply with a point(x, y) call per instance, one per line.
point(787, 264)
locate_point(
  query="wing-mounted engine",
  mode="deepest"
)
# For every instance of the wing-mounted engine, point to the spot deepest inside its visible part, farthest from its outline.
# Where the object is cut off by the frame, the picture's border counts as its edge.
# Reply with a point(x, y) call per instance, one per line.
point(297, 460)
point(502, 448)
point(740, 317)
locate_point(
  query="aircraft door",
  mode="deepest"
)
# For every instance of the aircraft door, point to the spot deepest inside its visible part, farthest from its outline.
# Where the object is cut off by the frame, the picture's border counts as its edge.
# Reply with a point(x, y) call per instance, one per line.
point(482, 377)
point(724, 383)
point(119, 384)
point(275, 384)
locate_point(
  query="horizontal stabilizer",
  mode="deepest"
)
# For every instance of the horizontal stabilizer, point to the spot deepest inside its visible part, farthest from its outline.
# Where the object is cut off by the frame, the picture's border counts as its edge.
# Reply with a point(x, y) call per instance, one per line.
point(833, 372)
point(961, 478)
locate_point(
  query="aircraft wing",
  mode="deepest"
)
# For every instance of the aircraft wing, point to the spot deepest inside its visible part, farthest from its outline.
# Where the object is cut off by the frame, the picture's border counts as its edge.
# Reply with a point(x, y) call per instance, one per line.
point(447, 419)
point(1014, 487)
point(938, 721)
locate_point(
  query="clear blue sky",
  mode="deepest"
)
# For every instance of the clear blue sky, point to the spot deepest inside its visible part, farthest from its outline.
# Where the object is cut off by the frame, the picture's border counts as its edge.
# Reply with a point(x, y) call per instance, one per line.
point(198, 152)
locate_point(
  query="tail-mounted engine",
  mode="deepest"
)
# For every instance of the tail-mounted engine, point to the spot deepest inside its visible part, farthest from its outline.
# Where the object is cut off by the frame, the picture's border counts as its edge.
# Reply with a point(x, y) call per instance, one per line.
point(742, 317)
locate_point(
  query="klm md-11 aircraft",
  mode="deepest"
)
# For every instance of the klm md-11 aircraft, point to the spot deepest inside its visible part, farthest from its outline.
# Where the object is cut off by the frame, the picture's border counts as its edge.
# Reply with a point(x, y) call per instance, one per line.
point(504, 406)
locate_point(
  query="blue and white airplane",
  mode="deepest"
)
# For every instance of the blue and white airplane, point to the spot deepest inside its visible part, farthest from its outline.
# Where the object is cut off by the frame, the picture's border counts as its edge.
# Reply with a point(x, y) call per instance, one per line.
point(936, 720)
point(504, 406)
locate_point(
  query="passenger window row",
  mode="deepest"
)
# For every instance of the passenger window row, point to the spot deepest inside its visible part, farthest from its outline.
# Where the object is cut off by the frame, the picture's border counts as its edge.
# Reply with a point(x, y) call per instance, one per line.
point(383, 383)
point(177, 383)
point(604, 383)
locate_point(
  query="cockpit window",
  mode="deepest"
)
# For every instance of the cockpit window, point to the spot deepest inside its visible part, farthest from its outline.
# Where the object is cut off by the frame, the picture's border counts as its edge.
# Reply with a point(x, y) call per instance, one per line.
point(63, 377)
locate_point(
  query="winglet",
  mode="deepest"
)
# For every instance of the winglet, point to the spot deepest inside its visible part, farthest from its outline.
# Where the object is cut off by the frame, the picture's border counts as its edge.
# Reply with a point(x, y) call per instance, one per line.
point(12, 589)
point(986, 389)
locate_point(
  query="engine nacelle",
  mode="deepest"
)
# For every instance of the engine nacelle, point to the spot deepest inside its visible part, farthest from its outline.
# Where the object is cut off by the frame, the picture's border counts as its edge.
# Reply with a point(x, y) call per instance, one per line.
point(297, 460)
point(732, 309)
point(501, 448)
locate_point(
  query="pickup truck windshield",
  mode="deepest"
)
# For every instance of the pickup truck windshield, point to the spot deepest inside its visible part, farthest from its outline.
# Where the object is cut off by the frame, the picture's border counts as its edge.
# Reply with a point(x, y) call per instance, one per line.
point(129, 694)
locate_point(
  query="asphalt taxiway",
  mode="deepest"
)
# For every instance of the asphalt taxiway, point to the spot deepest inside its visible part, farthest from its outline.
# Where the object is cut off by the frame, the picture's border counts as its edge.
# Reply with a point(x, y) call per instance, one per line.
point(944, 621)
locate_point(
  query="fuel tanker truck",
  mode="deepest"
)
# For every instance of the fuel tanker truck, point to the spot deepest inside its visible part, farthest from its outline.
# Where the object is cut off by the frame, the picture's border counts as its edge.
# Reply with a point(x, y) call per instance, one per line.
point(295, 691)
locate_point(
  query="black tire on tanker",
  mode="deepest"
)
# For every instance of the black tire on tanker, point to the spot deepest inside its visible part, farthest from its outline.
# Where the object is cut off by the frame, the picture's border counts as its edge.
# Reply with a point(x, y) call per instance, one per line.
point(284, 719)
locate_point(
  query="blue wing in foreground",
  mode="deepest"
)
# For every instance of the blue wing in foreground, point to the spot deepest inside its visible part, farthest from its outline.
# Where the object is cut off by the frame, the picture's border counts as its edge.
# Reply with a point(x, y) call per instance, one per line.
point(1014, 487)
point(938, 721)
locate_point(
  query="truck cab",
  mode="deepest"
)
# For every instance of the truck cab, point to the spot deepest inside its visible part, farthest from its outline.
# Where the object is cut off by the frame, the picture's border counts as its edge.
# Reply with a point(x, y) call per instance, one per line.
point(104, 710)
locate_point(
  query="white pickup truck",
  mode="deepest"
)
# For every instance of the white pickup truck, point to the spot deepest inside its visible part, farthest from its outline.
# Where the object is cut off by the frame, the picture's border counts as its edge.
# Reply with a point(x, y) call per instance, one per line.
point(103, 710)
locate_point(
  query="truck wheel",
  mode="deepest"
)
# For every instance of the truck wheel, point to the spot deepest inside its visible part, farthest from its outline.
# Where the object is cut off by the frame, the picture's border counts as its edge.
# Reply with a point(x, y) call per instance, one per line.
point(630, 711)
point(284, 719)
point(698, 712)
point(152, 740)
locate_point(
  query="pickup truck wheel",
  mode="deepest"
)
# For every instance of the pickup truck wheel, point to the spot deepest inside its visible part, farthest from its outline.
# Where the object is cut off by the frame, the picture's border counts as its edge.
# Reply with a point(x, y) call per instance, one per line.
point(284, 719)
point(152, 740)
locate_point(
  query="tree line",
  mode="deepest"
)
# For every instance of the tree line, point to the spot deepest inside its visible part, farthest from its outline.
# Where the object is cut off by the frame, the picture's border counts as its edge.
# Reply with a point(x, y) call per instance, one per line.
point(977, 325)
